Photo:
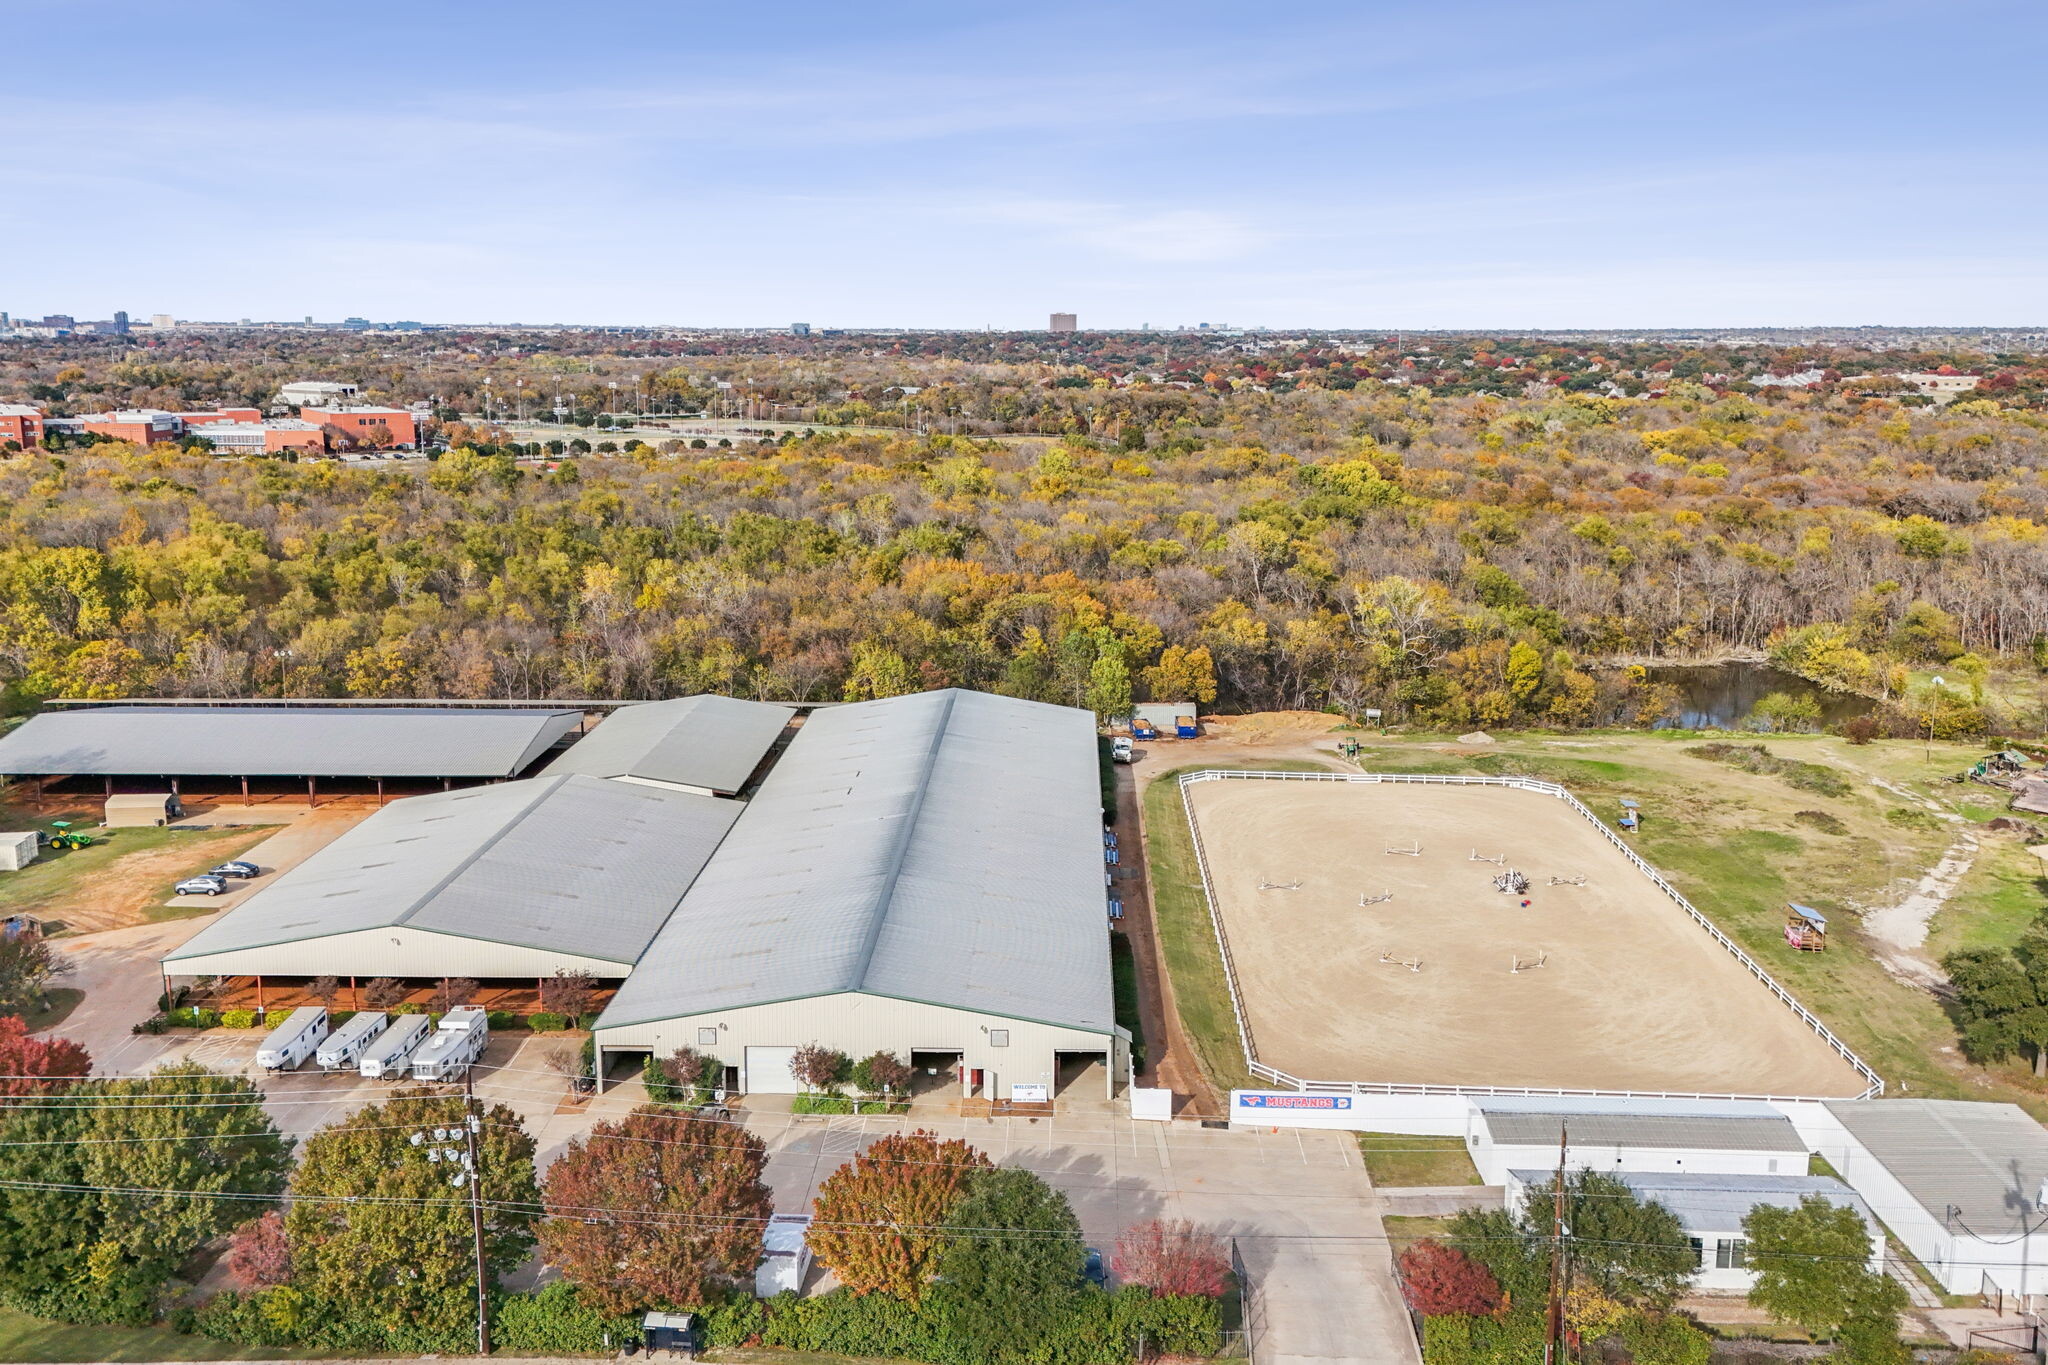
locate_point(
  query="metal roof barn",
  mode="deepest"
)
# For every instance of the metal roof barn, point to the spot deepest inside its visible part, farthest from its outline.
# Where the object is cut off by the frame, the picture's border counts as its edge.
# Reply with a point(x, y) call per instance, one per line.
point(1734, 1126)
point(704, 743)
point(1980, 1166)
point(943, 848)
point(202, 741)
point(505, 880)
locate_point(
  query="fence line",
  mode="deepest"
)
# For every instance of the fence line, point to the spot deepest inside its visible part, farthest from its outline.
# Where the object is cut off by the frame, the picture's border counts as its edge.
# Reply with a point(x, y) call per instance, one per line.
point(1874, 1083)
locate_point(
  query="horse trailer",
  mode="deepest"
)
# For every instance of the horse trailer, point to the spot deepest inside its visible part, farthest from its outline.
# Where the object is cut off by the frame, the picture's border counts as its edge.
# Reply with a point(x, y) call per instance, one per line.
point(455, 1046)
point(390, 1057)
point(291, 1042)
point(346, 1045)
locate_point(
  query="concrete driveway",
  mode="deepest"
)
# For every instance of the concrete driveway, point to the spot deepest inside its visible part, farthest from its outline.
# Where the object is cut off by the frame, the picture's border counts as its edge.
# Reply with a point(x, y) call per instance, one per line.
point(307, 833)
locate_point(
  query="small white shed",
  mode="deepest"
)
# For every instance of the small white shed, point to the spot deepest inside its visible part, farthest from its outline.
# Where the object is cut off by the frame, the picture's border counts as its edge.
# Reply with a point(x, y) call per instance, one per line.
point(1726, 1137)
point(18, 850)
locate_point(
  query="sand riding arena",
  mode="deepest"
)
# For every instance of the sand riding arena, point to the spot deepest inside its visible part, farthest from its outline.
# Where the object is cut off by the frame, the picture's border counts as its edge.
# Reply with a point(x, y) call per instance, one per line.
point(1383, 930)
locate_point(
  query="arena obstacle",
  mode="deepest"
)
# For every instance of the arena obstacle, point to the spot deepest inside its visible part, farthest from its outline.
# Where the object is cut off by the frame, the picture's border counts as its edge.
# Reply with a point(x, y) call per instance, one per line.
point(1518, 965)
point(1478, 857)
point(1413, 964)
point(1511, 882)
point(1579, 880)
point(1414, 849)
point(1279, 886)
point(1365, 900)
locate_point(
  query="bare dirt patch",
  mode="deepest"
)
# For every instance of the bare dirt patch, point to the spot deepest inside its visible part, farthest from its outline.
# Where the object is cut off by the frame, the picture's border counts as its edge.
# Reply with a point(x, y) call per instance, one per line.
point(1633, 994)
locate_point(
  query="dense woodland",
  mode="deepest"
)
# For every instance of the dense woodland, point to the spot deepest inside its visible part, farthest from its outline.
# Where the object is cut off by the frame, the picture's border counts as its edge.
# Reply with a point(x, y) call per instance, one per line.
point(1457, 558)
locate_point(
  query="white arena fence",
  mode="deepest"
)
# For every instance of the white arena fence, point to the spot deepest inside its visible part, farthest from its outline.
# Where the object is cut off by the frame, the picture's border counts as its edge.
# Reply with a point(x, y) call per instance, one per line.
point(1275, 1076)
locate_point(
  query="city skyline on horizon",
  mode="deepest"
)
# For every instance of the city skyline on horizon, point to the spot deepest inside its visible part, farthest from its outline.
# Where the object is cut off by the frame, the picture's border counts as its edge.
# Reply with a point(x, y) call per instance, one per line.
point(1479, 167)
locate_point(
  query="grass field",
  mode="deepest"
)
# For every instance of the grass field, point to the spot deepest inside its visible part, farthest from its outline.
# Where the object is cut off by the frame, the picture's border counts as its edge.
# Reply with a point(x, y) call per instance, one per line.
point(1187, 940)
point(1734, 842)
point(1408, 1161)
point(1123, 975)
point(62, 882)
point(25, 1339)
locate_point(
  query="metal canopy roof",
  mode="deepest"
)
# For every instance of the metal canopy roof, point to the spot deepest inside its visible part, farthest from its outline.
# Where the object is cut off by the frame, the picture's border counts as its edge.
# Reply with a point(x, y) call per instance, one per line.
point(1986, 1161)
point(572, 864)
point(282, 742)
point(703, 741)
point(1726, 1126)
point(944, 847)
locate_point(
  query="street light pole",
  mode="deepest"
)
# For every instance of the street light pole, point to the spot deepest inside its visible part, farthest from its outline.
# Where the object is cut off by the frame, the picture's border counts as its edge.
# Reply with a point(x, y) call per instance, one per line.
point(470, 1123)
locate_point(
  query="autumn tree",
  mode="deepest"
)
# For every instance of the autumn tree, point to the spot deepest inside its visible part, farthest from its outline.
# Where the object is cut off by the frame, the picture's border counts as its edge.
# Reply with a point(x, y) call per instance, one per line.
point(324, 989)
point(381, 1227)
point(453, 991)
point(105, 1251)
point(656, 1212)
point(34, 1065)
point(1014, 1254)
point(1172, 1256)
point(382, 992)
point(882, 1073)
point(877, 1220)
point(568, 993)
point(817, 1067)
point(1437, 1280)
point(28, 967)
point(1182, 674)
point(1812, 1265)
point(258, 1255)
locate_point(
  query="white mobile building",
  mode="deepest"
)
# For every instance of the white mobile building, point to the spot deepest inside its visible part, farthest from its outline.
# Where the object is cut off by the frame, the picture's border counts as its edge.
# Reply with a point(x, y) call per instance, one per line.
point(390, 1056)
point(921, 875)
point(515, 880)
point(1711, 1207)
point(1959, 1182)
point(291, 1042)
point(1508, 1133)
point(345, 1046)
point(785, 1256)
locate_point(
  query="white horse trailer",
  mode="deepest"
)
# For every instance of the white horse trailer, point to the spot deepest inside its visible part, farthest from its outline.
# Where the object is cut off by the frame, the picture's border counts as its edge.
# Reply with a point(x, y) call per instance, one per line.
point(390, 1057)
point(455, 1046)
point(346, 1045)
point(291, 1042)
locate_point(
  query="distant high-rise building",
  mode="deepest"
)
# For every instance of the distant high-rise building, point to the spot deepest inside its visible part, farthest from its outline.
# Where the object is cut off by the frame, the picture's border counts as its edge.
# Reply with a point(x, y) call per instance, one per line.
point(1063, 322)
point(799, 329)
point(164, 320)
point(309, 319)
point(120, 324)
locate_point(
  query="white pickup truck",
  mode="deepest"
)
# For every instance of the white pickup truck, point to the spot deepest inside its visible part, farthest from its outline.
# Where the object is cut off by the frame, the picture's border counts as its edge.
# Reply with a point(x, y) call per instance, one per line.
point(1120, 750)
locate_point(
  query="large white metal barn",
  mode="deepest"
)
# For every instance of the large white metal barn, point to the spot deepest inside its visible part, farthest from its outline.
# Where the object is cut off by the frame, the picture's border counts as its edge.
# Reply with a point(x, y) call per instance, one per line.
point(921, 875)
point(520, 879)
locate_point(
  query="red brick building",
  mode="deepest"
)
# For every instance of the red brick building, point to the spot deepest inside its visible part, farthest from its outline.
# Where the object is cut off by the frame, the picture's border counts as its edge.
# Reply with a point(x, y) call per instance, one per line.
point(21, 424)
point(358, 425)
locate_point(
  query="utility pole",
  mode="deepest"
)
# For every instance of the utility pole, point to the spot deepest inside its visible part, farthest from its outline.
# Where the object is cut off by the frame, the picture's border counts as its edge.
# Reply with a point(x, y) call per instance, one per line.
point(470, 1123)
point(1553, 1333)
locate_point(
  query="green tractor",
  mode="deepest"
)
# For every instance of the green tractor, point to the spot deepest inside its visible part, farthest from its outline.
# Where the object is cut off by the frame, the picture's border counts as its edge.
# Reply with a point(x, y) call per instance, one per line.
point(67, 837)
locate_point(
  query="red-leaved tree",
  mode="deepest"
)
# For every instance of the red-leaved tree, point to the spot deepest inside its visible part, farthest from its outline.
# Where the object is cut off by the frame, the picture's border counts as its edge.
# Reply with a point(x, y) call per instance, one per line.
point(689, 1205)
point(258, 1255)
point(878, 1219)
point(1172, 1256)
point(37, 1066)
point(1438, 1280)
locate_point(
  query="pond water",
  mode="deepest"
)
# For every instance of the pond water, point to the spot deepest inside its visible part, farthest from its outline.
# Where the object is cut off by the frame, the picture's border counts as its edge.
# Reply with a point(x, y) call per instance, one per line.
point(1719, 696)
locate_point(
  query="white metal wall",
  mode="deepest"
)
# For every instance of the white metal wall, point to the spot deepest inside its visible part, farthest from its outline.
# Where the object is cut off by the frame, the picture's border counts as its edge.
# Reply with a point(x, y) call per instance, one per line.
point(397, 951)
point(859, 1025)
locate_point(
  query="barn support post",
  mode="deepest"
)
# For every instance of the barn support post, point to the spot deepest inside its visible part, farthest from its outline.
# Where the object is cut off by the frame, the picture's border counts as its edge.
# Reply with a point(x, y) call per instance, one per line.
point(259, 997)
point(354, 1001)
point(39, 794)
point(597, 1069)
point(447, 784)
point(110, 786)
point(312, 793)
point(174, 786)
point(380, 791)
point(245, 789)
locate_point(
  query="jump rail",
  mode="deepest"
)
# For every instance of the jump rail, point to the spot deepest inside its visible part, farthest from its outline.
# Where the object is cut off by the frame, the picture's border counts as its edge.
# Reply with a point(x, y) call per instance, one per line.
point(1874, 1083)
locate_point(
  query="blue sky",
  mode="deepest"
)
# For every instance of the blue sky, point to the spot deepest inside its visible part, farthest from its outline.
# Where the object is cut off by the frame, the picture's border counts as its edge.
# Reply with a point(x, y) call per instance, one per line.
point(1367, 164)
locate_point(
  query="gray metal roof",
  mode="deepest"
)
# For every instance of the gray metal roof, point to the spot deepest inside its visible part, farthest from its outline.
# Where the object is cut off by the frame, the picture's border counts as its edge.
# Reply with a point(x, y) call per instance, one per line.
point(704, 741)
point(944, 847)
point(1987, 1160)
point(573, 864)
point(1718, 1203)
point(1732, 1126)
point(282, 741)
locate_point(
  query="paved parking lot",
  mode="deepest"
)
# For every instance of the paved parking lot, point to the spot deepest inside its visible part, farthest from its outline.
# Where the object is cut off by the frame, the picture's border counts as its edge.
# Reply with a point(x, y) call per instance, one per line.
point(1298, 1203)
